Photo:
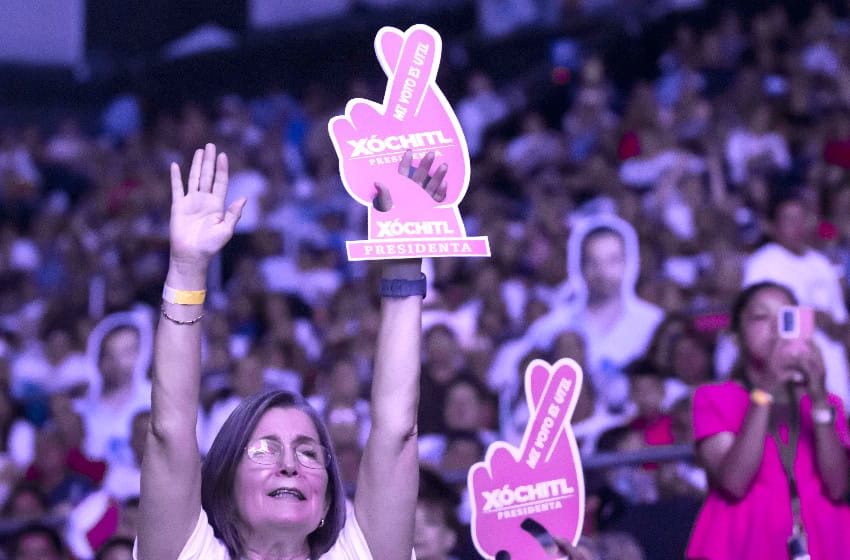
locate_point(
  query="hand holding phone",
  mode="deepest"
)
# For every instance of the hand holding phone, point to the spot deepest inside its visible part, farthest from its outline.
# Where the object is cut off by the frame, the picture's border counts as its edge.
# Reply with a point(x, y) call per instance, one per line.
point(795, 327)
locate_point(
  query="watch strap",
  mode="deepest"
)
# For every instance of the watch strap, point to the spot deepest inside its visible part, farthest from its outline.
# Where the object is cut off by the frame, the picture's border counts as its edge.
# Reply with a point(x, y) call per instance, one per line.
point(397, 287)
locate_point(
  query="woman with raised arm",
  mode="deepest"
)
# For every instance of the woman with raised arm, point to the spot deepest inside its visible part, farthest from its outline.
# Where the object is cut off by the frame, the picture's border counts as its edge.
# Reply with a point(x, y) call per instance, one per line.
point(270, 486)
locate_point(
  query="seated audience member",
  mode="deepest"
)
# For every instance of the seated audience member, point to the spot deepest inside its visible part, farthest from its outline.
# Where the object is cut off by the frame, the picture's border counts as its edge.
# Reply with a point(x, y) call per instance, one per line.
point(646, 391)
point(119, 548)
point(246, 378)
point(437, 530)
point(682, 478)
point(37, 542)
point(17, 443)
point(51, 473)
point(339, 398)
point(26, 501)
point(122, 480)
point(632, 483)
point(442, 361)
point(465, 411)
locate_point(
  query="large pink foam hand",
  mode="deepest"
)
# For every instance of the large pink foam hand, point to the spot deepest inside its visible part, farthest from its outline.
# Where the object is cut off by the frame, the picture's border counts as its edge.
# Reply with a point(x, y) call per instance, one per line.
point(541, 480)
point(371, 138)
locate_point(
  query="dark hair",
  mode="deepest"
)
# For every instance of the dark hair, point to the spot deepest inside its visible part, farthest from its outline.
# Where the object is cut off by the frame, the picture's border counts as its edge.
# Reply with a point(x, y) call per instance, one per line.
point(745, 296)
point(784, 190)
point(218, 472)
point(435, 491)
point(37, 528)
point(465, 377)
point(643, 367)
point(742, 300)
point(114, 542)
point(611, 439)
point(19, 489)
point(597, 232)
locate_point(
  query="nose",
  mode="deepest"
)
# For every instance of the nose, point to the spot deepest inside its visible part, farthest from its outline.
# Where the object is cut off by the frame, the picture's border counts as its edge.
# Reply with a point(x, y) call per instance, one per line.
point(288, 462)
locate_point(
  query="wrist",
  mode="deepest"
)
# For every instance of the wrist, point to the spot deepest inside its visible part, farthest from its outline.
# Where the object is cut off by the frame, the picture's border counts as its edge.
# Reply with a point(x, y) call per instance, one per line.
point(761, 398)
point(187, 274)
point(402, 269)
point(823, 414)
point(402, 287)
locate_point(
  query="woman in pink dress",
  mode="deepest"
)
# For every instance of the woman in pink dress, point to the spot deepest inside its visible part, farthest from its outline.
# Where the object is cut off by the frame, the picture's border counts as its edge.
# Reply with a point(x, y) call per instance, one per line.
point(777, 383)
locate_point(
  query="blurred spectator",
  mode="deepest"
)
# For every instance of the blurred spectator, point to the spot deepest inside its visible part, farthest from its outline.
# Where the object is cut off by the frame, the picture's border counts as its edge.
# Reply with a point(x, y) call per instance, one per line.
point(481, 107)
point(441, 362)
point(120, 548)
point(466, 402)
point(37, 542)
point(17, 444)
point(437, 530)
point(646, 391)
point(123, 479)
point(790, 260)
point(50, 471)
point(120, 347)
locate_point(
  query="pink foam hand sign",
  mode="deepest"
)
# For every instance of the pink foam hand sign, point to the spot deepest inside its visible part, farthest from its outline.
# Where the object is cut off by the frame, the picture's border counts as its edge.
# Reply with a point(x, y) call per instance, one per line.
point(371, 138)
point(522, 496)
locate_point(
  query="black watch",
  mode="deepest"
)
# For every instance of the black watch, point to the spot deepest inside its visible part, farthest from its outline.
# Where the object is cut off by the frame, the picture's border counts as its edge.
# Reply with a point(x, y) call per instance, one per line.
point(398, 288)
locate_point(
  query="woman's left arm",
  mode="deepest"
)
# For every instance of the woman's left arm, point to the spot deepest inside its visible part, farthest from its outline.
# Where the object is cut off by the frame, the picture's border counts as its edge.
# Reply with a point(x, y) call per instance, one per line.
point(830, 453)
point(388, 480)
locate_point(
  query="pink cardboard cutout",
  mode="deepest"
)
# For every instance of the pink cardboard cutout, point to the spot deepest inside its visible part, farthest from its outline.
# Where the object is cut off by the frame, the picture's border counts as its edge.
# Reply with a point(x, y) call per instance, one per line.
point(371, 138)
point(541, 480)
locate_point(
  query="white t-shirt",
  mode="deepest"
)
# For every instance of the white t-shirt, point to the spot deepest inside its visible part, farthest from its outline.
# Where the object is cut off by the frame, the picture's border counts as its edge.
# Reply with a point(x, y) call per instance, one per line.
point(203, 544)
point(814, 281)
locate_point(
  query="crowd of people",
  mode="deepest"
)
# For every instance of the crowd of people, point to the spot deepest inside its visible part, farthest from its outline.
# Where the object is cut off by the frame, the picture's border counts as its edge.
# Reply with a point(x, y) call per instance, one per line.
point(622, 230)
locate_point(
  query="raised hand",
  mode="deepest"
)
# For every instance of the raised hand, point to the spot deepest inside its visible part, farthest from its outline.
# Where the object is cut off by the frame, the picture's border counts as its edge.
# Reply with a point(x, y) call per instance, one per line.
point(540, 480)
point(200, 226)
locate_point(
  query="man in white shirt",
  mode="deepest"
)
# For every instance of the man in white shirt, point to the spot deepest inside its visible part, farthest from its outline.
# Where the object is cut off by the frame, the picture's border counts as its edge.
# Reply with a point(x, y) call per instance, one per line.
point(789, 260)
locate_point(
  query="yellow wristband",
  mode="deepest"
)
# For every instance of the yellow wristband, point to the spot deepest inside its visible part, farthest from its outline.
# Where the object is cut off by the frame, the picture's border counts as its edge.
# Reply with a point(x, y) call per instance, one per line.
point(760, 397)
point(183, 297)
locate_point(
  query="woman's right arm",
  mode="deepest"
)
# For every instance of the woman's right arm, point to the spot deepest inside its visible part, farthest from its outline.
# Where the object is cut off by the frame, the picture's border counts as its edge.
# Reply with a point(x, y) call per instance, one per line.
point(733, 460)
point(171, 469)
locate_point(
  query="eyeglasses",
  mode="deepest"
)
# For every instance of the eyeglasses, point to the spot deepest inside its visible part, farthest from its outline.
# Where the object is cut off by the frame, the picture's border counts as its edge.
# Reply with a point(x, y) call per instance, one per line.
point(269, 452)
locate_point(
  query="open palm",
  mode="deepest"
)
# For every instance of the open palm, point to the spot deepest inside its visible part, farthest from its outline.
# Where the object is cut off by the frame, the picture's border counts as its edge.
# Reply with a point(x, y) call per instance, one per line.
point(200, 226)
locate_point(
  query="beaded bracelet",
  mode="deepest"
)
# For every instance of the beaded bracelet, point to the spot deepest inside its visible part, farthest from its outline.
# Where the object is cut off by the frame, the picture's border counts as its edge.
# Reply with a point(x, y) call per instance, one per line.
point(178, 321)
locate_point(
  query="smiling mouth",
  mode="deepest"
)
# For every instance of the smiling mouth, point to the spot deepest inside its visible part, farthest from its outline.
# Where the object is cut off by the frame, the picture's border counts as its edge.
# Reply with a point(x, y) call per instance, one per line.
point(287, 493)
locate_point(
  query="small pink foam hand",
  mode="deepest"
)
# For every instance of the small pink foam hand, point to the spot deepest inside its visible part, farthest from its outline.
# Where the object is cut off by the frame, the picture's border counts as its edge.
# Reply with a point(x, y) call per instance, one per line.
point(370, 138)
point(541, 480)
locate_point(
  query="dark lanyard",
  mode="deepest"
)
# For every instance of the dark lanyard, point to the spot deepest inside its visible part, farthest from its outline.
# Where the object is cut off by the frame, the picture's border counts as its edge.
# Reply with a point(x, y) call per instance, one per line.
point(787, 453)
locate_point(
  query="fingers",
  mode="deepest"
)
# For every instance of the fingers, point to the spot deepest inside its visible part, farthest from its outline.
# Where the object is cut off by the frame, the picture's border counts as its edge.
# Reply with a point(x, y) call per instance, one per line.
point(383, 200)
point(421, 174)
point(406, 162)
point(177, 190)
point(195, 171)
point(207, 168)
point(234, 212)
point(221, 175)
point(437, 186)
